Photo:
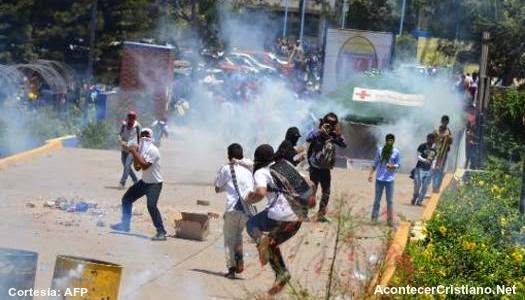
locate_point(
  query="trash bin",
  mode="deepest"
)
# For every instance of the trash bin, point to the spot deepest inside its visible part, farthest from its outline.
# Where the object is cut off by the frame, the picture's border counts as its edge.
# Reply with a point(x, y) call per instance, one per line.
point(100, 279)
point(17, 270)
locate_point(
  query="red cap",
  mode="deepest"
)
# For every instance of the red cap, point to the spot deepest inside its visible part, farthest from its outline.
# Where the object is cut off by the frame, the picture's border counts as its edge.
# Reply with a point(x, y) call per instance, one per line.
point(132, 115)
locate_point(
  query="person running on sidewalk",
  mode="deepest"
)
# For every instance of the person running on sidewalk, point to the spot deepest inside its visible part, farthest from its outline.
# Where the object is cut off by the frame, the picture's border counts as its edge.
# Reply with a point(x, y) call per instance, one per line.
point(237, 181)
point(443, 140)
point(321, 157)
point(276, 223)
point(146, 157)
point(129, 135)
point(426, 153)
point(386, 163)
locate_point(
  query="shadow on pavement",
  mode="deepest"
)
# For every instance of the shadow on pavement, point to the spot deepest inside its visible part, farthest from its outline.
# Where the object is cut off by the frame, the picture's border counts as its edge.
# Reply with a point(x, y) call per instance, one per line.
point(208, 272)
point(141, 236)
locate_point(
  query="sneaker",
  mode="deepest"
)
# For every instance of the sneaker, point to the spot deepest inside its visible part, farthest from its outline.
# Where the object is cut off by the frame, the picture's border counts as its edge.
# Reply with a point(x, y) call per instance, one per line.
point(413, 202)
point(262, 248)
point(120, 227)
point(231, 273)
point(419, 203)
point(239, 263)
point(279, 283)
point(160, 236)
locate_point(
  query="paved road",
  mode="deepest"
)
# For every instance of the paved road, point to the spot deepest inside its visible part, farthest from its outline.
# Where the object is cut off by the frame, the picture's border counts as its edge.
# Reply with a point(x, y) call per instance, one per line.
point(178, 268)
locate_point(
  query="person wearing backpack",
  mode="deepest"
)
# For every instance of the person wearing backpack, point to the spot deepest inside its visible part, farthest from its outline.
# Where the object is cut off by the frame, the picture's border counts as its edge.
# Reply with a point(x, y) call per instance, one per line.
point(236, 181)
point(129, 135)
point(386, 163)
point(321, 157)
point(278, 222)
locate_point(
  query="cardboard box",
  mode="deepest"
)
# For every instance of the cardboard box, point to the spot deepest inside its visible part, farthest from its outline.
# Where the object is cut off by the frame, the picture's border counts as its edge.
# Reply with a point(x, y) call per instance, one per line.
point(192, 226)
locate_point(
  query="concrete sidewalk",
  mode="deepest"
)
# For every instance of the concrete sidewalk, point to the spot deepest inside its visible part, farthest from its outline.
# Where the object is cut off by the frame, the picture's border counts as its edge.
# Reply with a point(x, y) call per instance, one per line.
point(179, 269)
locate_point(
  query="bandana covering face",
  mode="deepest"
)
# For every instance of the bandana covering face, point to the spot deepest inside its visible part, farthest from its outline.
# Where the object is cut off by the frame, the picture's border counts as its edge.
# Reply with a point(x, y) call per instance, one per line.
point(145, 144)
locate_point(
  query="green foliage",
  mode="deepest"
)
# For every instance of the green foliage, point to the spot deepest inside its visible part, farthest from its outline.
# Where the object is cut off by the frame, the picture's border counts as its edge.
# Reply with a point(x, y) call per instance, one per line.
point(98, 135)
point(476, 237)
point(372, 15)
point(406, 48)
point(505, 136)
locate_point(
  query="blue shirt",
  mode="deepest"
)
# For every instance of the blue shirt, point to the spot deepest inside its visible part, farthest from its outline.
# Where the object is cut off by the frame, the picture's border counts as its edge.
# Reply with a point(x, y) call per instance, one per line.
point(382, 173)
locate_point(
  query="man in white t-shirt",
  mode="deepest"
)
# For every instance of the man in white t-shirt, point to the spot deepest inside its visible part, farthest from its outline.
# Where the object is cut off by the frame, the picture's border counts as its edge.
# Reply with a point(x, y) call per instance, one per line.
point(146, 157)
point(236, 179)
point(278, 219)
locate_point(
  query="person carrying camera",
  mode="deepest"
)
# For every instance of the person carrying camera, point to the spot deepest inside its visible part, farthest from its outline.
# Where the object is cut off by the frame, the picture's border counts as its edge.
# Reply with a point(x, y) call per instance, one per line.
point(321, 157)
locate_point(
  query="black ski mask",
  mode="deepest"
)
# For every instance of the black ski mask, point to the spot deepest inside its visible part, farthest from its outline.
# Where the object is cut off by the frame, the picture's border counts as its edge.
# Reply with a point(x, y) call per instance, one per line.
point(293, 135)
point(263, 156)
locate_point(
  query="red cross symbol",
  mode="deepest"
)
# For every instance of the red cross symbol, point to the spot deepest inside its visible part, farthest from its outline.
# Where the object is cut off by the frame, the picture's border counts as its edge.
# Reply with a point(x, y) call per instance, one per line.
point(362, 94)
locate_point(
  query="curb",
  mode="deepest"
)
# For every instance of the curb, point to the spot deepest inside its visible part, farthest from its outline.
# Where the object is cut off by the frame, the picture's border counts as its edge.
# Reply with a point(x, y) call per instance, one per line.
point(400, 239)
point(50, 146)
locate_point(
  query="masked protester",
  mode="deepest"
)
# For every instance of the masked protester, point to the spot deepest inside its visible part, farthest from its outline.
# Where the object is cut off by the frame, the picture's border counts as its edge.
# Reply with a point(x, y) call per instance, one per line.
point(426, 153)
point(146, 157)
point(276, 223)
point(236, 181)
point(321, 157)
point(129, 135)
point(386, 163)
point(288, 149)
point(443, 142)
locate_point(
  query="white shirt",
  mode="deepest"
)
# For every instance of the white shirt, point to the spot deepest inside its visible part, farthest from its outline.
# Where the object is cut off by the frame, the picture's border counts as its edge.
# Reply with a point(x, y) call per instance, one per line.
point(151, 155)
point(278, 207)
point(224, 181)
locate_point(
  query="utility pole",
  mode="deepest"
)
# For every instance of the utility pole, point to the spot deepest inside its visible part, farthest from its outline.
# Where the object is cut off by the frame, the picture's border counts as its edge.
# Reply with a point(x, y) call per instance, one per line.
point(285, 17)
point(92, 29)
point(403, 6)
point(343, 13)
point(303, 10)
point(481, 101)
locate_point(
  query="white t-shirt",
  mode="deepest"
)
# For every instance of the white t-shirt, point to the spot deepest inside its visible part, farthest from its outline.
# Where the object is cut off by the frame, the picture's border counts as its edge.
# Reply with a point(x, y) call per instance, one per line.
point(224, 181)
point(152, 174)
point(278, 207)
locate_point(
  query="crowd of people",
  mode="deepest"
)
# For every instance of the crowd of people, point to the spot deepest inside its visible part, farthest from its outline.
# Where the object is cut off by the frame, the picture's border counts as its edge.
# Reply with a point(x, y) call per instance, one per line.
point(273, 176)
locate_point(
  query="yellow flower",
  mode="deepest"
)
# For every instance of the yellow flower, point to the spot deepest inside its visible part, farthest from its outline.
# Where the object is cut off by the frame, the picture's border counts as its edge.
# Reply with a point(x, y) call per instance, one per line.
point(517, 255)
point(443, 230)
point(503, 221)
point(469, 245)
point(481, 183)
point(442, 273)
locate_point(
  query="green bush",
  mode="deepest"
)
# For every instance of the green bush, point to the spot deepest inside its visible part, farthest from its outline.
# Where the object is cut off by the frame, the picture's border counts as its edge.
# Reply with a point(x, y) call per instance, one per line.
point(475, 238)
point(505, 135)
point(98, 135)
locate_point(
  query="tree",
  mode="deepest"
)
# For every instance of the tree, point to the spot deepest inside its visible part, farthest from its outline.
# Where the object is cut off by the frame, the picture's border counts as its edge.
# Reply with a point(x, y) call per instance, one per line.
point(15, 31)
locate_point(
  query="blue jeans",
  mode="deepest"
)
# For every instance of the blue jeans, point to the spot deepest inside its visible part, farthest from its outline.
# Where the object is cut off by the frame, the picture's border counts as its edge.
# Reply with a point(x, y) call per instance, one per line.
point(388, 186)
point(437, 178)
point(127, 161)
point(260, 223)
point(152, 192)
point(421, 182)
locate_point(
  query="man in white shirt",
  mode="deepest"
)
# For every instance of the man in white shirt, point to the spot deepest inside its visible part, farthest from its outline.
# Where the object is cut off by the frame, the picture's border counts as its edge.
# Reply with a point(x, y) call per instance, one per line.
point(146, 157)
point(278, 219)
point(236, 179)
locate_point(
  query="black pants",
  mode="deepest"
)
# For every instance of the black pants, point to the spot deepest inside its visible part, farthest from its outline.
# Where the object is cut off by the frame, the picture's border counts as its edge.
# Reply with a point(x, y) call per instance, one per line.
point(323, 177)
point(152, 192)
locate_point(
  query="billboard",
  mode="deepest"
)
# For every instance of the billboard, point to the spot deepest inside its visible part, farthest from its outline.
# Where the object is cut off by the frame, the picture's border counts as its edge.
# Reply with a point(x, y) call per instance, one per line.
point(350, 51)
point(386, 96)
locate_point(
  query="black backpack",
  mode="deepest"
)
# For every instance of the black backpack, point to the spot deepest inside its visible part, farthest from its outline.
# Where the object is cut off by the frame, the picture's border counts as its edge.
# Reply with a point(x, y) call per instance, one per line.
point(292, 185)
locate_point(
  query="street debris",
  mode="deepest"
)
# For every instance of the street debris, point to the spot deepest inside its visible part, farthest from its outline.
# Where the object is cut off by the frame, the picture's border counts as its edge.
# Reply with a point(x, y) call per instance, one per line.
point(70, 205)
